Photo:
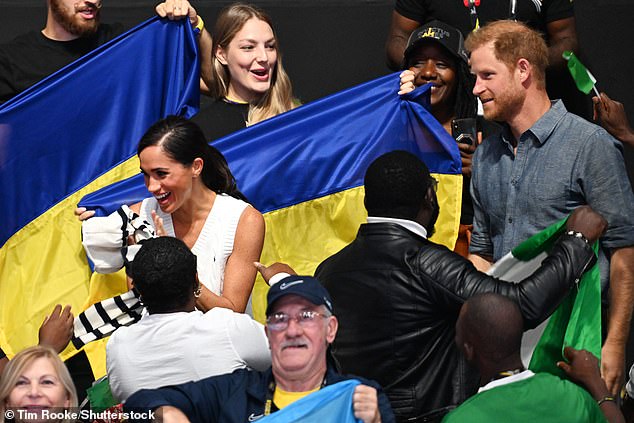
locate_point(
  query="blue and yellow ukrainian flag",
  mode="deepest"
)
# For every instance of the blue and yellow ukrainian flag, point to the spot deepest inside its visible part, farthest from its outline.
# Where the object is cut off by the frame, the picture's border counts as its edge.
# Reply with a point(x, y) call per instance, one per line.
point(69, 135)
point(304, 170)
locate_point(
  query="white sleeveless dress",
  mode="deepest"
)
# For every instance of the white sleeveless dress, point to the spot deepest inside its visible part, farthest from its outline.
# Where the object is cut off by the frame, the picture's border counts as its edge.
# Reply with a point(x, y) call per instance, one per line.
point(215, 242)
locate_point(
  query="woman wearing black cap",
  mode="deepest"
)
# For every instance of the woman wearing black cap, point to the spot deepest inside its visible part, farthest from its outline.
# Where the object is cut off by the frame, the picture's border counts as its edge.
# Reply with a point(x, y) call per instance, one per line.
point(435, 54)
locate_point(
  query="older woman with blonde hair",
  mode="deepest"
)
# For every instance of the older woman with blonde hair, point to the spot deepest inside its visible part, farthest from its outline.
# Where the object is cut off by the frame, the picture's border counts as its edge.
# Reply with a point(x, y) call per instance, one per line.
point(35, 385)
point(249, 83)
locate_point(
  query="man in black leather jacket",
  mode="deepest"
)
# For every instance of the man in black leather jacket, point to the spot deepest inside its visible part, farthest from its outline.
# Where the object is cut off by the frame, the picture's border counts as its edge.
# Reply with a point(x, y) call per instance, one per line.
point(398, 295)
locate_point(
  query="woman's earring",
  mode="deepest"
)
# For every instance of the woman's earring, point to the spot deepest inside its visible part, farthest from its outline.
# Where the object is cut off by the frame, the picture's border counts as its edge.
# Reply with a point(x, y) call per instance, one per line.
point(197, 291)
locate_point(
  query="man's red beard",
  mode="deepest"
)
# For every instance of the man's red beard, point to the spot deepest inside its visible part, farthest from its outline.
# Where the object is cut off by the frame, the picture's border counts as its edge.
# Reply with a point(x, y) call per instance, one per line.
point(72, 22)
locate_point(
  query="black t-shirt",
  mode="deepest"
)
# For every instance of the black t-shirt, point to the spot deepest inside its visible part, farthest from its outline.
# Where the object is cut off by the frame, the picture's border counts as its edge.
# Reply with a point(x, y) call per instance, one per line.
point(31, 57)
point(535, 13)
point(218, 118)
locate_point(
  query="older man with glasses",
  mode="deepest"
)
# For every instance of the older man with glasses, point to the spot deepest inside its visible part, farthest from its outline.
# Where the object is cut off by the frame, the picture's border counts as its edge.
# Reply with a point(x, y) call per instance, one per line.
point(300, 326)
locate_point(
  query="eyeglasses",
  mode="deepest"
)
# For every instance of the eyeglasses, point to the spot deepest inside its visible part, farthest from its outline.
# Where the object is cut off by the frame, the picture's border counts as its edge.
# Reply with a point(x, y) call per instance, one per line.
point(280, 321)
point(434, 184)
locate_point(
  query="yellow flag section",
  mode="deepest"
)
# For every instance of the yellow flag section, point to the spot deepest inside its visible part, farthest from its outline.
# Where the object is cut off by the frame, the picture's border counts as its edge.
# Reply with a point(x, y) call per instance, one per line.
point(305, 234)
point(59, 143)
point(44, 264)
point(304, 169)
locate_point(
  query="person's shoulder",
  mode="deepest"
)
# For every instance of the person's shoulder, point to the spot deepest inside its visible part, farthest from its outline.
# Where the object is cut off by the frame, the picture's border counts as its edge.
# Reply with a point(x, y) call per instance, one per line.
point(589, 134)
point(227, 200)
point(556, 10)
point(19, 43)
point(331, 264)
point(492, 140)
point(334, 376)
point(223, 315)
point(120, 337)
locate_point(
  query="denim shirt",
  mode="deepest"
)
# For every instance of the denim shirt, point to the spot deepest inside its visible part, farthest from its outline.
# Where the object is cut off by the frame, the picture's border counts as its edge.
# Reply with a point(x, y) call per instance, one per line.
point(562, 162)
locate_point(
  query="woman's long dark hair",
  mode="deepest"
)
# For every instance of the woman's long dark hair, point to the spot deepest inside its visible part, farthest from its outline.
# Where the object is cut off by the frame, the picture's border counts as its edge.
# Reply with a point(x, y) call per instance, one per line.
point(466, 105)
point(184, 141)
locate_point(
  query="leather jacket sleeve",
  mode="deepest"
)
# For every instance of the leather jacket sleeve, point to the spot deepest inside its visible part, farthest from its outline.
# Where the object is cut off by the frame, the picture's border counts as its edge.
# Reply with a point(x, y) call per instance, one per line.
point(453, 279)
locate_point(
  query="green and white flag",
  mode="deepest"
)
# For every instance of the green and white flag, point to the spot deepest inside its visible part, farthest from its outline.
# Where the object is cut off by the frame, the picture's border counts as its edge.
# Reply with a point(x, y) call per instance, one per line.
point(583, 78)
point(577, 320)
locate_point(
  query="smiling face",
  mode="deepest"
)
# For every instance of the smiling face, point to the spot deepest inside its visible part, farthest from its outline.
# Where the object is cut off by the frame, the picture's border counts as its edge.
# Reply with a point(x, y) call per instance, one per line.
point(432, 63)
point(80, 18)
point(168, 180)
point(39, 387)
point(250, 58)
point(299, 352)
point(498, 87)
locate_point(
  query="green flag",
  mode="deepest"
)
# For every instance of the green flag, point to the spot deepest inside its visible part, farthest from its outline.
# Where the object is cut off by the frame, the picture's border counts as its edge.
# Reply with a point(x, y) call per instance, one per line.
point(583, 78)
point(577, 320)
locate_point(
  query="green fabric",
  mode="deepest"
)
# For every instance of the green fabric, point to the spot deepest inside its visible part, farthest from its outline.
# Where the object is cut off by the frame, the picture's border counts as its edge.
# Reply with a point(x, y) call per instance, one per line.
point(543, 398)
point(540, 242)
point(582, 77)
point(100, 396)
point(577, 320)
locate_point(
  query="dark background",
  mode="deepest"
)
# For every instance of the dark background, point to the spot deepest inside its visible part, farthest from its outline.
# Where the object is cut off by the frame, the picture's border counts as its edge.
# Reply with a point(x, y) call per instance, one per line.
point(330, 45)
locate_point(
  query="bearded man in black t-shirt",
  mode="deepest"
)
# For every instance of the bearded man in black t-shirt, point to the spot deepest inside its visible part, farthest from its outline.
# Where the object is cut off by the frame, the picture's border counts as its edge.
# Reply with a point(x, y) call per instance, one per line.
point(72, 30)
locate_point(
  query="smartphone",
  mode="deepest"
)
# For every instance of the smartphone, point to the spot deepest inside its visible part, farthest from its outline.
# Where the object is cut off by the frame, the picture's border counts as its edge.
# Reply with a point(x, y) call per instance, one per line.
point(464, 130)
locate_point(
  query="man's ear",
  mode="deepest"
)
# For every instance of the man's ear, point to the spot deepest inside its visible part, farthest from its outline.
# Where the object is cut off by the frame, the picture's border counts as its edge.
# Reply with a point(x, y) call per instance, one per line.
point(467, 350)
point(524, 69)
point(331, 330)
point(221, 56)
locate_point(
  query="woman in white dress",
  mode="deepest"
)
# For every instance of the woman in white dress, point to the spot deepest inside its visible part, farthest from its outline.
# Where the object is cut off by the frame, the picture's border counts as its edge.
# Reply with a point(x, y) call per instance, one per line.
point(195, 199)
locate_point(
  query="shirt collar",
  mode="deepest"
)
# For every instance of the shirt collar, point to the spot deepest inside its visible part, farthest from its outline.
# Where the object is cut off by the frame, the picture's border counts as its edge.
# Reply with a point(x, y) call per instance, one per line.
point(506, 380)
point(546, 124)
point(543, 128)
point(410, 225)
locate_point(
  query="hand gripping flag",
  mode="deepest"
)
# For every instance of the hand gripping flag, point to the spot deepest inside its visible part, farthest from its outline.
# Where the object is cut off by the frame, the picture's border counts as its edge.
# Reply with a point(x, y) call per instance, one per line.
point(69, 135)
point(304, 170)
point(577, 320)
point(332, 403)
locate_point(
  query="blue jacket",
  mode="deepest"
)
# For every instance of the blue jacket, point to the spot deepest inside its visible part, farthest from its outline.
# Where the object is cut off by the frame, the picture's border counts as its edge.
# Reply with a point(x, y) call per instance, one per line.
point(238, 397)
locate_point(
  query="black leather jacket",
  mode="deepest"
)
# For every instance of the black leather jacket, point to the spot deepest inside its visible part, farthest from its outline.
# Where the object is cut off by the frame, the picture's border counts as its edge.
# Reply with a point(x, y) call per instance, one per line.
point(397, 297)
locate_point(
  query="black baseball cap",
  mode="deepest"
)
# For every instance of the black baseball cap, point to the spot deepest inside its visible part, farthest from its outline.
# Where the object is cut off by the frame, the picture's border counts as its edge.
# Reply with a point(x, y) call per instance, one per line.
point(448, 36)
point(304, 286)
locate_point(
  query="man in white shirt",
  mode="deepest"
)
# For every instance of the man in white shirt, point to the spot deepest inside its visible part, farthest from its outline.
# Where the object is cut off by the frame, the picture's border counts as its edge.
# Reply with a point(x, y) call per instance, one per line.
point(175, 343)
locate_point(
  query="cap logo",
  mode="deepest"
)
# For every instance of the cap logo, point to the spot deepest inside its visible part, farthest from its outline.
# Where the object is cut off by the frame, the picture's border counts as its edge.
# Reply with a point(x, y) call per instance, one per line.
point(285, 285)
point(328, 303)
point(436, 33)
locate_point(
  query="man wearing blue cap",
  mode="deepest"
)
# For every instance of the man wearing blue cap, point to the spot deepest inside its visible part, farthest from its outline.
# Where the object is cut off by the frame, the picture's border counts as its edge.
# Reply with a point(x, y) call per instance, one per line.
point(300, 327)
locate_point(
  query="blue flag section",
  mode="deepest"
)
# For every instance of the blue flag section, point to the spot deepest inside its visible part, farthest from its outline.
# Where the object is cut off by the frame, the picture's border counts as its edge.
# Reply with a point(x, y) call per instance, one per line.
point(320, 148)
point(66, 131)
point(330, 404)
point(304, 170)
point(68, 135)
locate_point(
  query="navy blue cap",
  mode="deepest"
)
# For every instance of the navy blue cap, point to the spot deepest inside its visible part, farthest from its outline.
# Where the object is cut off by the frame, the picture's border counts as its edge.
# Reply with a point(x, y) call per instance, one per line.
point(304, 286)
